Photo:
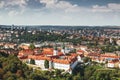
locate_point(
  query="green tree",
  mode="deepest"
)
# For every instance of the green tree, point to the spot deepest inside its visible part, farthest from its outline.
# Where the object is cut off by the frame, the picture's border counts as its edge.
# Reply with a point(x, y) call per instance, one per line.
point(32, 61)
point(57, 72)
point(13, 67)
point(37, 77)
point(0, 64)
point(118, 48)
point(12, 78)
point(86, 59)
point(32, 46)
point(1, 73)
point(46, 64)
point(77, 77)
point(19, 73)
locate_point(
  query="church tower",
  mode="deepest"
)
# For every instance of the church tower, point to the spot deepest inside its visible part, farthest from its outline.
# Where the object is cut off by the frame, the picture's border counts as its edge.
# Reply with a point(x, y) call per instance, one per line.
point(55, 52)
point(63, 48)
point(111, 40)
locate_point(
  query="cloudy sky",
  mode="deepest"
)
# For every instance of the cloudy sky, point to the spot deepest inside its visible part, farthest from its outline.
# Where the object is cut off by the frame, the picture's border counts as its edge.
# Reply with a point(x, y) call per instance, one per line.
point(60, 12)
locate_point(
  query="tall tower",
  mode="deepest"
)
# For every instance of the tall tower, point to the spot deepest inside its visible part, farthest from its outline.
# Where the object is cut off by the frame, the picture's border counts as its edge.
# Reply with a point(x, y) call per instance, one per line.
point(63, 48)
point(55, 52)
point(111, 40)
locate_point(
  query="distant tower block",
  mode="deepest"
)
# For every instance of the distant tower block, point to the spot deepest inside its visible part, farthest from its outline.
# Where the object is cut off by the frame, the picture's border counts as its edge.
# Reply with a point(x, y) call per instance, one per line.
point(12, 27)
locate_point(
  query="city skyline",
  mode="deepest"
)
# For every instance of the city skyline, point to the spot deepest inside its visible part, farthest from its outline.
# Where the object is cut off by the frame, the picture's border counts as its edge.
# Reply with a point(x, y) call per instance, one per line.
point(60, 12)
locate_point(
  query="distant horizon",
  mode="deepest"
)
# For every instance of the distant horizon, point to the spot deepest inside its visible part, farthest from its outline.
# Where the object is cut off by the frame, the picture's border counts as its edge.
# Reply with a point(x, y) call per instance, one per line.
point(61, 25)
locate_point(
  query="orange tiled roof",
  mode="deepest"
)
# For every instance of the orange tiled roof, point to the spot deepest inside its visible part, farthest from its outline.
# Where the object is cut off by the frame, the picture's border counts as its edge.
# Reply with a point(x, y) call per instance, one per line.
point(39, 57)
point(48, 49)
point(81, 51)
point(24, 47)
point(60, 53)
point(74, 54)
point(93, 54)
point(61, 61)
point(110, 56)
point(26, 52)
point(114, 61)
point(65, 60)
point(47, 53)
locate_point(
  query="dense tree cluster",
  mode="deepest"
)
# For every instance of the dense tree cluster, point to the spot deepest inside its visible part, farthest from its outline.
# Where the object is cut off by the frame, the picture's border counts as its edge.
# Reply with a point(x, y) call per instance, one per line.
point(46, 36)
point(95, 72)
point(41, 36)
point(11, 68)
point(110, 48)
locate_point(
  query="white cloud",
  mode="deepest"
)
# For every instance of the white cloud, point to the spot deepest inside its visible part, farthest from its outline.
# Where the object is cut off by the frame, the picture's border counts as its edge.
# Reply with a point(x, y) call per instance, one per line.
point(49, 3)
point(66, 6)
point(60, 5)
point(58, 12)
point(15, 13)
point(20, 3)
point(114, 6)
point(2, 3)
point(97, 8)
point(57, 5)
point(111, 7)
point(10, 7)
